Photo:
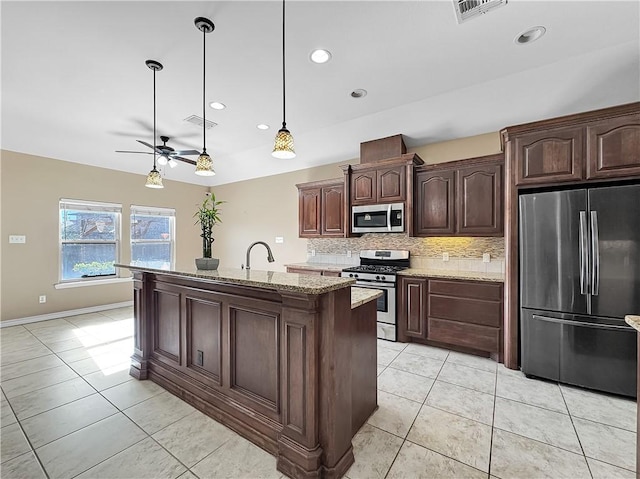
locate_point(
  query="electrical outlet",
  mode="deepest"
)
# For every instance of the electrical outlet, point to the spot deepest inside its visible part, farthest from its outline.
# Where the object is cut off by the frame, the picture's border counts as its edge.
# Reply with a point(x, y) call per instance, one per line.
point(42, 298)
point(486, 258)
point(17, 239)
point(279, 239)
point(200, 360)
point(349, 254)
point(445, 256)
point(313, 252)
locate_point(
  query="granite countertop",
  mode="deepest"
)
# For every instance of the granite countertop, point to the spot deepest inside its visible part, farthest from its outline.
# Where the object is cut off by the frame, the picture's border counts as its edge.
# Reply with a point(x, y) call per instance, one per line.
point(631, 320)
point(321, 266)
point(360, 296)
point(298, 283)
point(440, 273)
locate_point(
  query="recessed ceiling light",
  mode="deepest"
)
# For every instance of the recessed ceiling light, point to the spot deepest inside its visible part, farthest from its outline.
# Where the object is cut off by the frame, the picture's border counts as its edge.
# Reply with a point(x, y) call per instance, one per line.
point(358, 93)
point(262, 126)
point(216, 105)
point(320, 56)
point(530, 35)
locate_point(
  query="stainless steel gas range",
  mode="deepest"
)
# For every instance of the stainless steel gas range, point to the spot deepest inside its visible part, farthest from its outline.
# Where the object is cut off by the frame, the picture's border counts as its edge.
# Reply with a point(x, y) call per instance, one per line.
point(378, 270)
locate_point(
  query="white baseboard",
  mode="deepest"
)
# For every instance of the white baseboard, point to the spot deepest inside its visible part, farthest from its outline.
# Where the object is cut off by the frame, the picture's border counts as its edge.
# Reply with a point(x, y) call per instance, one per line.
point(63, 314)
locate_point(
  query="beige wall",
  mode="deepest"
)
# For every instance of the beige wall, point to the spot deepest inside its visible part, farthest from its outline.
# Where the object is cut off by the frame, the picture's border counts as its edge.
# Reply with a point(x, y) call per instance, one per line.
point(259, 209)
point(30, 189)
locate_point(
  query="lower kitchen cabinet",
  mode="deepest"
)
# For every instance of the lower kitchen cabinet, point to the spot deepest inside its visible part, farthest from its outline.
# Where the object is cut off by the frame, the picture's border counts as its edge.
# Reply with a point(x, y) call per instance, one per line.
point(451, 313)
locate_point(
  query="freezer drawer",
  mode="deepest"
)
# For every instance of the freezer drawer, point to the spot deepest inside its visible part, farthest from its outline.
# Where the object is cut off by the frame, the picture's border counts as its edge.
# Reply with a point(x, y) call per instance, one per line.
point(583, 353)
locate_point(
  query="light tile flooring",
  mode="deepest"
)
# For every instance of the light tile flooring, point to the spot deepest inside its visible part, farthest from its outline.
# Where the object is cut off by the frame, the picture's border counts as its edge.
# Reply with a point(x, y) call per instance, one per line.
point(70, 409)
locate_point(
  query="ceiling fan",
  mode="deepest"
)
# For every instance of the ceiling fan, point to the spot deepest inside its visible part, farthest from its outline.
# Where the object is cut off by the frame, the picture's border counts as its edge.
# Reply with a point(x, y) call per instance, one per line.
point(167, 154)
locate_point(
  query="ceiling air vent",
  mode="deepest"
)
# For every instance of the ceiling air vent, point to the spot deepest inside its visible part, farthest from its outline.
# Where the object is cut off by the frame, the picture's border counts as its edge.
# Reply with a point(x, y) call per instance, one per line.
point(198, 121)
point(468, 9)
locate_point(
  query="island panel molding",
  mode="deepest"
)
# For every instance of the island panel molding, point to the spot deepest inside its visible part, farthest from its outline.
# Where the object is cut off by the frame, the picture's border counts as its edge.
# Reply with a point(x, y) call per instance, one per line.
point(275, 365)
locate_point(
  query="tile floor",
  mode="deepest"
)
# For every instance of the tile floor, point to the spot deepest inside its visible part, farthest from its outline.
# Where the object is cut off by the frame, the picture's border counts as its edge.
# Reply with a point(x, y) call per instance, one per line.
point(70, 409)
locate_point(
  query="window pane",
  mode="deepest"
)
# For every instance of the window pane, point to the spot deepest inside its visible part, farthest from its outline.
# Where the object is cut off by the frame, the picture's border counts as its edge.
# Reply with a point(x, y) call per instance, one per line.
point(145, 227)
point(88, 225)
point(153, 255)
point(86, 260)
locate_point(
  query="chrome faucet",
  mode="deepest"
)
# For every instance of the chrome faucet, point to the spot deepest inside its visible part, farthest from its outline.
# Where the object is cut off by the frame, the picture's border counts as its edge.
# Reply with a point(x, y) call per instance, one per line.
point(269, 256)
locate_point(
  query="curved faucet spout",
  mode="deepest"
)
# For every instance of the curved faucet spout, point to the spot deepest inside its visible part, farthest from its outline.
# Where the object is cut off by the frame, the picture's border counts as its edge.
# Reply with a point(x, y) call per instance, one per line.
point(270, 258)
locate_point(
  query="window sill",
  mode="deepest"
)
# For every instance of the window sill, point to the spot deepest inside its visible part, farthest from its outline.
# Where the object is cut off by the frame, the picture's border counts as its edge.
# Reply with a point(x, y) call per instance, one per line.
point(95, 282)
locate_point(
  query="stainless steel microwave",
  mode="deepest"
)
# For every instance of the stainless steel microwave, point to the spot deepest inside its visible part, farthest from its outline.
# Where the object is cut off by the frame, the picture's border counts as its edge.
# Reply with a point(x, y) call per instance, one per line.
point(387, 218)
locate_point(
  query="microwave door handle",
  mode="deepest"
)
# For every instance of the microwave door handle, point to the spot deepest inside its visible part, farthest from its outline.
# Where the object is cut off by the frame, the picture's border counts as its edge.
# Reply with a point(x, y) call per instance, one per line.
point(389, 217)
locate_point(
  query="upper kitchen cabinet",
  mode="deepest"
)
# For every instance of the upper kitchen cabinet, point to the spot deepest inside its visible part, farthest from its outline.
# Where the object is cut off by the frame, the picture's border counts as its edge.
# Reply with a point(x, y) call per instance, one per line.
point(597, 145)
point(383, 181)
point(321, 209)
point(549, 156)
point(613, 147)
point(461, 198)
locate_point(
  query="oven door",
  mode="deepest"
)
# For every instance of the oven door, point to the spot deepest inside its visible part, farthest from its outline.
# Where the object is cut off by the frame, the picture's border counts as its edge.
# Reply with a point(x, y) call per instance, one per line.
point(386, 304)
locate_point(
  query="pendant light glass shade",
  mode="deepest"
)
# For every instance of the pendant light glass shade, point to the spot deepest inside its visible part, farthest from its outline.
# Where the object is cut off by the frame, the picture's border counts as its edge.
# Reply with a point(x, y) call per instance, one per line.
point(204, 165)
point(283, 144)
point(154, 180)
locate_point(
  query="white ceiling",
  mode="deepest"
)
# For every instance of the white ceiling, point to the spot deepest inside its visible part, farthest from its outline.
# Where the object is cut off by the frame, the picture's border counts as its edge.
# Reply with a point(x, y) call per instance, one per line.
point(75, 86)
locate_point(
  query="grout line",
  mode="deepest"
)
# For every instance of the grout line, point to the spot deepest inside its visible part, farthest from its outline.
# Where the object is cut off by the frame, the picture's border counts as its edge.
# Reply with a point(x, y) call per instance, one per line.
point(584, 455)
point(493, 420)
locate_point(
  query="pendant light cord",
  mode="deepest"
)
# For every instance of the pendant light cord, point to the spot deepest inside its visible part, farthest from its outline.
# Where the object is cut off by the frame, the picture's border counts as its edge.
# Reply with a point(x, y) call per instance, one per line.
point(154, 119)
point(204, 69)
point(284, 94)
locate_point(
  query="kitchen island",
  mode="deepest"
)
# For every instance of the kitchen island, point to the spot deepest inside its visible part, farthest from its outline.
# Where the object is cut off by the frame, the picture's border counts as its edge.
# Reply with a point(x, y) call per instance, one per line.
point(270, 355)
point(634, 321)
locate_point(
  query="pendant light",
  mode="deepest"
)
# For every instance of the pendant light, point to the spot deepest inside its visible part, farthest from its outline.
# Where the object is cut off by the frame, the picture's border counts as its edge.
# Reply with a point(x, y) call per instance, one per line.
point(204, 164)
point(283, 145)
point(154, 180)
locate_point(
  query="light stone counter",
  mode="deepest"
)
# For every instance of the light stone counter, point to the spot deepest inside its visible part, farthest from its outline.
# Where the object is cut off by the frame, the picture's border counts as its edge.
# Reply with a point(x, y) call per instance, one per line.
point(321, 266)
point(298, 283)
point(446, 274)
point(360, 296)
point(632, 320)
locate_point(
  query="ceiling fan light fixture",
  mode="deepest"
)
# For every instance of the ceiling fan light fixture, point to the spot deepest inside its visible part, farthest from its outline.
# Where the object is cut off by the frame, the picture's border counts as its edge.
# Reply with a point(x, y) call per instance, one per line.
point(283, 146)
point(172, 163)
point(283, 143)
point(204, 165)
point(162, 160)
point(154, 179)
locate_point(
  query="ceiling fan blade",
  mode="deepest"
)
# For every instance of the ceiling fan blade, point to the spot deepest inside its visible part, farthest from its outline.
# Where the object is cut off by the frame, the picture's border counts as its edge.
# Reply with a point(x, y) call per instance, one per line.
point(186, 152)
point(140, 152)
point(159, 151)
point(185, 160)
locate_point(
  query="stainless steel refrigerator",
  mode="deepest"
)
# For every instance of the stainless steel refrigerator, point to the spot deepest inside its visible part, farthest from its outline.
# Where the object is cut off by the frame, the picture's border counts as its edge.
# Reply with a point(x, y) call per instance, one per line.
point(579, 277)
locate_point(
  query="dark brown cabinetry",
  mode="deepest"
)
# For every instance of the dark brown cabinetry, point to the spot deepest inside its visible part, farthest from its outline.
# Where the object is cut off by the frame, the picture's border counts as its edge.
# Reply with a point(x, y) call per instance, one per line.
point(451, 313)
point(313, 271)
point(460, 198)
point(576, 148)
point(378, 185)
point(321, 209)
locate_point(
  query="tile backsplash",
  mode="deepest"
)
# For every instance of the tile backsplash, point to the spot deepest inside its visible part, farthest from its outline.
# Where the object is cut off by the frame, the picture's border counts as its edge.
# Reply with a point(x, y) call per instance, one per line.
point(465, 253)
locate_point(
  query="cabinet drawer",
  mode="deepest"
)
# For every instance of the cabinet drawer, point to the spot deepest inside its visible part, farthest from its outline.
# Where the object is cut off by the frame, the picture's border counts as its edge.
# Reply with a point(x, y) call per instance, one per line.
point(473, 336)
point(488, 313)
point(464, 289)
point(313, 272)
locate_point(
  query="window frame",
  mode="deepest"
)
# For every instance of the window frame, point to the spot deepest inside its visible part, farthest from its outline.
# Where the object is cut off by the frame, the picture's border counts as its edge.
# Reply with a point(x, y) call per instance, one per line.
point(86, 205)
point(154, 211)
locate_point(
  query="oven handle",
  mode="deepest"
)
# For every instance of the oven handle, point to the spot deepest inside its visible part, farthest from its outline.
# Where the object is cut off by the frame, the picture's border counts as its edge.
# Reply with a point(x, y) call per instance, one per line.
point(371, 285)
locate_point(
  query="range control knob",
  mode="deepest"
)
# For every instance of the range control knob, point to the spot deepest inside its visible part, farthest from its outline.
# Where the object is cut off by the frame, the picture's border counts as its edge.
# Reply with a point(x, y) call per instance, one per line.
point(350, 275)
point(378, 277)
point(382, 278)
point(355, 275)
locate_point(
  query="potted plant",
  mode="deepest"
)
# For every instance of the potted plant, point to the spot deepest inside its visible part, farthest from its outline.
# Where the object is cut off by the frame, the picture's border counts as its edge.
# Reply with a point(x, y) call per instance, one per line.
point(207, 216)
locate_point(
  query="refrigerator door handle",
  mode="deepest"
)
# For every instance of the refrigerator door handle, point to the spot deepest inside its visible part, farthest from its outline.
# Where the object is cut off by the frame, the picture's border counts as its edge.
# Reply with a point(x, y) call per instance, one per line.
point(570, 322)
point(584, 258)
point(595, 255)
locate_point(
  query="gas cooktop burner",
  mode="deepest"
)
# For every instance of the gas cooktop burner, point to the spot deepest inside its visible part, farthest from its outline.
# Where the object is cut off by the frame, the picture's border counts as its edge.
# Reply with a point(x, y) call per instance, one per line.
point(373, 268)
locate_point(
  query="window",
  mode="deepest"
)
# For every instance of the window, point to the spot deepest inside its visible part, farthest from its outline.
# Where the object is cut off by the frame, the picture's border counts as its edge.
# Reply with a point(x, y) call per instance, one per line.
point(89, 240)
point(153, 237)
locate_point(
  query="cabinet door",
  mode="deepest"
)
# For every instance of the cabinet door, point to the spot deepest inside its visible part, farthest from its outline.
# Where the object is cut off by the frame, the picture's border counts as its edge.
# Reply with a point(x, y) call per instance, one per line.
point(550, 156)
point(391, 184)
point(412, 318)
point(479, 200)
point(434, 203)
point(332, 211)
point(309, 212)
point(363, 187)
point(613, 147)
